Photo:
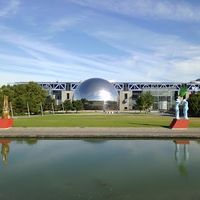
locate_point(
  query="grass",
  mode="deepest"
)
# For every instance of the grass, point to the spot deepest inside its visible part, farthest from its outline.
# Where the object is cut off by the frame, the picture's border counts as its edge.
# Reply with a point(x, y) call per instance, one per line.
point(99, 120)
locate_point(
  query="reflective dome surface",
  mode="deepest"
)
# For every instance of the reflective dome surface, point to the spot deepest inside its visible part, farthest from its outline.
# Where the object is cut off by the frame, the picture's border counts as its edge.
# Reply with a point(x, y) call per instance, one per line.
point(99, 94)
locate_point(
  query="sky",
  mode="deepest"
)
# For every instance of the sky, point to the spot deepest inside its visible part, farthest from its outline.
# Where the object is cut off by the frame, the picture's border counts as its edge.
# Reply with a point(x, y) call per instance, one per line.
point(118, 40)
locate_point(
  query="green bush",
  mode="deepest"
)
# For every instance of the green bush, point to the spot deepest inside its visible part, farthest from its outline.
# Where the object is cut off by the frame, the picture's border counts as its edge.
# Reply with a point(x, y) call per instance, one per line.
point(194, 105)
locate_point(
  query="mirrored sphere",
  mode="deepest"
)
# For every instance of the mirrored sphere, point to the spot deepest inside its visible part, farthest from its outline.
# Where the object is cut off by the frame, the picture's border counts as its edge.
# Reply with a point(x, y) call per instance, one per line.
point(98, 94)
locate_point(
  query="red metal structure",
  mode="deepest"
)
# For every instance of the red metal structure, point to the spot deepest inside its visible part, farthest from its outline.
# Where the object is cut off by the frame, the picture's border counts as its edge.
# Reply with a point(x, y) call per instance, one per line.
point(179, 124)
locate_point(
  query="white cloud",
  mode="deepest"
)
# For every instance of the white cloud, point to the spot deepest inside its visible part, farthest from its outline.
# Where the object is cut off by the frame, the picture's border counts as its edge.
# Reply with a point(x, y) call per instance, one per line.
point(157, 9)
point(8, 7)
point(68, 22)
point(149, 56)
point(186, 68)
point(45, 61)
point(145, 55)
point(49, 50)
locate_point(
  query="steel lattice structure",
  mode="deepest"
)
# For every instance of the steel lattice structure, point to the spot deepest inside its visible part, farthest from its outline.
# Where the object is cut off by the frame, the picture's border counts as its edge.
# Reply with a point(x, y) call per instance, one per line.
point(127, 86)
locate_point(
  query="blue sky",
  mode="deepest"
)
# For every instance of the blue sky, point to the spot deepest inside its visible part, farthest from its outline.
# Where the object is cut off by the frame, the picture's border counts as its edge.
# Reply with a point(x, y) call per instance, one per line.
point(72, 40)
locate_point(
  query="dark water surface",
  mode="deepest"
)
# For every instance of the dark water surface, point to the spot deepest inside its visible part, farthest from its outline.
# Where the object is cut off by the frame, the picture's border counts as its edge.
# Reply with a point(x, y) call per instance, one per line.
point(99, 169)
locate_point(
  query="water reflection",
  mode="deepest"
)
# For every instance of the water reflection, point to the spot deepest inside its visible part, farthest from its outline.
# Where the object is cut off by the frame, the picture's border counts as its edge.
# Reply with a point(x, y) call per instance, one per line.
point(182, 155)
point(181, 150)
point(100, 169)
point(29, 141)
point(95, 140)
point(5, 150)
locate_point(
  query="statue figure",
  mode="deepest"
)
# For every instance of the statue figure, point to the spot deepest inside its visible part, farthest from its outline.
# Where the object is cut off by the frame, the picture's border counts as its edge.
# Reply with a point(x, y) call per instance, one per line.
point(4, 152)
point(185, 109)
point(177, 108)
point(5, 113)
point(182, 157)
point(181, 100)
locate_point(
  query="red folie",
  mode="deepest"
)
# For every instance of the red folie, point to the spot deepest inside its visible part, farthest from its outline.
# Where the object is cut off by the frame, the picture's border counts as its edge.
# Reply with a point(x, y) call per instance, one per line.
point(179, 123)
point(6, 123)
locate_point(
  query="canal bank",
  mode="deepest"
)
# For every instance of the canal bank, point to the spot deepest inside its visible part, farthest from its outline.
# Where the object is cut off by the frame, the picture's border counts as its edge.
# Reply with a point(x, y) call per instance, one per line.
point(90, 132)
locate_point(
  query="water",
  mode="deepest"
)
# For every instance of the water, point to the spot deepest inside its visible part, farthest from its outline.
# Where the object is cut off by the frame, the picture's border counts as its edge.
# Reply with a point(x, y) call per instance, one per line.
point(99, 170)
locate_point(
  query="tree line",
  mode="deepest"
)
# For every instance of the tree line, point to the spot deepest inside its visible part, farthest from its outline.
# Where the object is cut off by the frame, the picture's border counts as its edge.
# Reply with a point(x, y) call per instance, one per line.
point(21, 95)
point(30, 97)
point(146, 100)
point(194, 104)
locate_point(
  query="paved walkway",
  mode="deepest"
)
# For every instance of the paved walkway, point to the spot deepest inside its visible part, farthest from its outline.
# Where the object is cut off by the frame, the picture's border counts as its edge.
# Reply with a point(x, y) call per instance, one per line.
point(66, 132)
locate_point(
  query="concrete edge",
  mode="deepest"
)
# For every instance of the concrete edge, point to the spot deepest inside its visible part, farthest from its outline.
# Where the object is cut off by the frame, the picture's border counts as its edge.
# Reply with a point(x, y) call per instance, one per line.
point(100, 133)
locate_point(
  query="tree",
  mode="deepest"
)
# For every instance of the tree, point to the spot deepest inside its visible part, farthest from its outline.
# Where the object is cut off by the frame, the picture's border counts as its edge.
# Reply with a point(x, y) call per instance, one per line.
point(78, 105)
point(35, 95)
point(67, 105)
point(85, 103)
point(145, 101)
point(194, 104)
point(48, 103)
point(20, 95)
point(19, 101)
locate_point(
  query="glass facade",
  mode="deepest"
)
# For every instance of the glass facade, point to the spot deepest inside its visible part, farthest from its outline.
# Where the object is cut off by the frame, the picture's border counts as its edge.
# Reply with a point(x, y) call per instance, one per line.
point(164, 99)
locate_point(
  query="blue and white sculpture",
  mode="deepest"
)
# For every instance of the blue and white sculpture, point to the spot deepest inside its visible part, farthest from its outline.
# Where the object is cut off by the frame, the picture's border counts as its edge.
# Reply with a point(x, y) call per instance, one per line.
point(185, 109)
point(184, 102)
point(177, 108)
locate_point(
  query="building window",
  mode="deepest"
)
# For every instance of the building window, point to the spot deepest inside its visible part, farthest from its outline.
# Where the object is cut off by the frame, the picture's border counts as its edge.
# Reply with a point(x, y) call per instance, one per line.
point(125, 108)
point(57, 95)
point(126, 96)
point(67, 95)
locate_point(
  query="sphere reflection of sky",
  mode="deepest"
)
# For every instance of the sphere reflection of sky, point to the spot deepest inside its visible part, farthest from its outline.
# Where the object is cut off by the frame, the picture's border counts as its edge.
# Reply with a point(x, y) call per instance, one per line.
point(96, 89)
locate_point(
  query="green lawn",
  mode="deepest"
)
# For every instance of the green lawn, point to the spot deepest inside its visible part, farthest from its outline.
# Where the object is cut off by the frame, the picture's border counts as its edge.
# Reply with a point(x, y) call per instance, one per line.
point(99, 120)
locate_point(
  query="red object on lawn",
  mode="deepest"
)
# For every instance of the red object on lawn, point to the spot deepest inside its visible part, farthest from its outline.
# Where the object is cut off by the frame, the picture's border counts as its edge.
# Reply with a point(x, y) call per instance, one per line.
point(6, 123)
point(179, 124)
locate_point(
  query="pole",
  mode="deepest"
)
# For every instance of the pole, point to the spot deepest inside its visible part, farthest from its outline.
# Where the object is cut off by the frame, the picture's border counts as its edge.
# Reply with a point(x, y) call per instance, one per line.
point(42, 113)
point(28, 109)
point(52, 108)
point(11, 109)
point(63, 107)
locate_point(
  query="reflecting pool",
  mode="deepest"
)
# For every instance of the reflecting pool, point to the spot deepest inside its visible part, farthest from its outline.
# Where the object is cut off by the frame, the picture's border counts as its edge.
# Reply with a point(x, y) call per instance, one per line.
point(99, 169)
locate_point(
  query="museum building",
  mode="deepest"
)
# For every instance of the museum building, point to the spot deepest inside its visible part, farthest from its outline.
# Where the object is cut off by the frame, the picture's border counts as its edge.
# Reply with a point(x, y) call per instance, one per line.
point(98, 90)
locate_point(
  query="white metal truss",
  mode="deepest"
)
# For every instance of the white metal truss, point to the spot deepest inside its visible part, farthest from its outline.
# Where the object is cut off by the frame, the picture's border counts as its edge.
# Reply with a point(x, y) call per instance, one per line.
point(134, 87)
point(194, 87)
point(118, 86)
point(74, 85)
point(121, 86)
point(151, 85)
point(54, 85)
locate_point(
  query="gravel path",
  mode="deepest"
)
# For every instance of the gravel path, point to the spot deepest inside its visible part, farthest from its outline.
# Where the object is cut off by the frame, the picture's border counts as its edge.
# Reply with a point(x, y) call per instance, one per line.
point(63, 132)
